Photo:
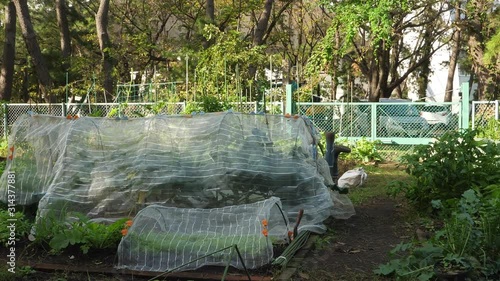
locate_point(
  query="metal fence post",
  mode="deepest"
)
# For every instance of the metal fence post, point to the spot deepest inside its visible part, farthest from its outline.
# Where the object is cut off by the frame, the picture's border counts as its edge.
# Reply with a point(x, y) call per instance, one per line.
point(465, 106)
point(497, 116)
point(289, 108)
point(473, 114)
point(63, 109)
point(373, 112)
point(5, 120)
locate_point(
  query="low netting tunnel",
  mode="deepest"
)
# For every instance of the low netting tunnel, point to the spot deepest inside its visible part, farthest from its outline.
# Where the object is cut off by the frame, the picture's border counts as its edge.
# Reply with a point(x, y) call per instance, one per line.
point(177, 239)
point(108, 168)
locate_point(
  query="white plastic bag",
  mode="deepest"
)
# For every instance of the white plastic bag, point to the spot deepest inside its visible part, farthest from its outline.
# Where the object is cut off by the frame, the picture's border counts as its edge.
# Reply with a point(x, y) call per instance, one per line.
point(352, 178)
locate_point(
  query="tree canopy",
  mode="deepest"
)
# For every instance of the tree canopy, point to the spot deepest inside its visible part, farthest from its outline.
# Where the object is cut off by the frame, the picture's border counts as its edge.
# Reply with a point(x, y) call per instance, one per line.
point(224, 47)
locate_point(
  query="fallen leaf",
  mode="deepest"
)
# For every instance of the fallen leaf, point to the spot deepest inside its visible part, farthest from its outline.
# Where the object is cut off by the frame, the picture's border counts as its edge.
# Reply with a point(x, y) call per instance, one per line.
point(304, 275)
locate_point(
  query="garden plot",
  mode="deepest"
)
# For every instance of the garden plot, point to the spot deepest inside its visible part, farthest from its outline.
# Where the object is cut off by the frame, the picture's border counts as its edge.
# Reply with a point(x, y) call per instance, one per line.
point(107, 169)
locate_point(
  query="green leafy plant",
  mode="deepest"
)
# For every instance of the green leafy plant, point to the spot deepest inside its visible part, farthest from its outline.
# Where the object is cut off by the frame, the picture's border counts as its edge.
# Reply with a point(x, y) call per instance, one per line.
point(491, 130)
point(88, 235)
point(21, 229)
point(212, 104)
point(362, 150)
point(450, 166)
point(463, 244)
point(3, 147)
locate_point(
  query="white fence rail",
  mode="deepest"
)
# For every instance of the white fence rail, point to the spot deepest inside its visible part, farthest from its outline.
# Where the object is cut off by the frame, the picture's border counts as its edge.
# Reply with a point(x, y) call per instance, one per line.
point(483, 111)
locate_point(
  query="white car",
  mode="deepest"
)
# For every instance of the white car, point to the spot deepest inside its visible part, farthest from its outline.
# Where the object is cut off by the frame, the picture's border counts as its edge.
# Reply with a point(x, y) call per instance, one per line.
point(436, 114)
point(400, 118)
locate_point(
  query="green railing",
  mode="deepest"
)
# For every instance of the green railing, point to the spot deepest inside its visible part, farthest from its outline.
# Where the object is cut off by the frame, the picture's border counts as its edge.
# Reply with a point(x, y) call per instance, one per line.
point(396, 126)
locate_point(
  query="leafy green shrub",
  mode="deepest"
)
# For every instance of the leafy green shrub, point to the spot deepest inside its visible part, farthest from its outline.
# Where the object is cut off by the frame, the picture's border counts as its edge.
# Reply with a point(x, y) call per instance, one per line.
point(362, 150)
point(212, 104)
point(491, 130)
point(468, 239)
point(88, 235)
point(22, 227)
point(453, 164)
point(192, 107)
point(3, 147)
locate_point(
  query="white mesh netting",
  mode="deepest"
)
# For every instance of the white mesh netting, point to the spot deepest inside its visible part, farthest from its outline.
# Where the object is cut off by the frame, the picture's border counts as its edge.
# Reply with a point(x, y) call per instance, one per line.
point(112, 168)
point(166, 238)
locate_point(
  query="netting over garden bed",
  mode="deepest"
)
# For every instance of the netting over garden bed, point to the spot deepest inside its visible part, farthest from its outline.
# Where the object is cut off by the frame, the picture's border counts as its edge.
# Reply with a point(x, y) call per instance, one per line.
point(166, 238)
point(110, 168)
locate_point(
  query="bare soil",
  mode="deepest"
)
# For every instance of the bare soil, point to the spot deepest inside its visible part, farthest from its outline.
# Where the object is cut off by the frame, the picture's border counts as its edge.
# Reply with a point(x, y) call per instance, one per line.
point(359, 244)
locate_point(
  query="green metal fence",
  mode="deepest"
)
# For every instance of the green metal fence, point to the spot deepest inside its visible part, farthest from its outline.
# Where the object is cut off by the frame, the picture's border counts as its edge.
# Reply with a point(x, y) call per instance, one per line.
point(397, 126)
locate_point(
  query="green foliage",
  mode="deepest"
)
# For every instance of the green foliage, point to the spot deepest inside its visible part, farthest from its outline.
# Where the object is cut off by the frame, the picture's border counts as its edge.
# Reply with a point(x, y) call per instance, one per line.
point(20, 273)
point(22, 227)
point(117, 111)
point(363, 150)
point(465, 242)
point(223, 65)
point(192, 107)
point(208, 104)
point(453, 164)
point(376, 17)
point(212, 104)
point(491, 130)
point(3, 147)
point(492, 50)
point(88, 235)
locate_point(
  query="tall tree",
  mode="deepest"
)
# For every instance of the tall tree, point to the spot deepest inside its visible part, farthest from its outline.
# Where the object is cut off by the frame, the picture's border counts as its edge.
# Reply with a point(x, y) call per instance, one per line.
point(62, 21)
point(29, 36)
point(101, 19)
point(454, 52)
point(9, 51)
point(371, 28)
point(479, 13)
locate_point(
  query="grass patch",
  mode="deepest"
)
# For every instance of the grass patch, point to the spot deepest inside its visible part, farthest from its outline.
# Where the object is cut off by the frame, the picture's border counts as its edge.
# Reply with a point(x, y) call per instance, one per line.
point(379, 177)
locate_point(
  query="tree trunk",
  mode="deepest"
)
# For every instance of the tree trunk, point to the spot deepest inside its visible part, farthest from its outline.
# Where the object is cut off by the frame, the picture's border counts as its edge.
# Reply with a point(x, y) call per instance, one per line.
point(455, 52)
point(260, 31)
point(105, 45)
point(29, 36)
point(210, 14)
point(476, 52)
point(425, 68)
point(9, 51)
point(210, 11)
point(62, 21)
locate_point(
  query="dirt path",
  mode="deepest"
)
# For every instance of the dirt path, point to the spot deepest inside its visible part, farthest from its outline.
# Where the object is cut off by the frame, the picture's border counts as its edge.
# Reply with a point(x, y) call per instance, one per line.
point(359, 244)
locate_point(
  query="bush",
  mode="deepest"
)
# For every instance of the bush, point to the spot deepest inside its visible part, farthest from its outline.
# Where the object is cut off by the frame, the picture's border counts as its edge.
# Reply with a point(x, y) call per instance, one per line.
point(468, 238)
point(491, 130)
point(447, 168)
point(362, 150)
point(59, 235)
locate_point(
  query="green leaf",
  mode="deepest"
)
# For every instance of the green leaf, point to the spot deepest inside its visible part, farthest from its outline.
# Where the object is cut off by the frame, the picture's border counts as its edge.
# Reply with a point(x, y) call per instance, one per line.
point(425, 276)
point(384, 269)
point(59, 242)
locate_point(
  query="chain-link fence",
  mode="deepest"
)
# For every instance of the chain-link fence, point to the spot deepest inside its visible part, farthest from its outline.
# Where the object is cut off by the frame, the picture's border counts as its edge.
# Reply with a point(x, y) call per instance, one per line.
point(483, 111)
point(398, 126)
point(148, 92)
point(10, 112)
